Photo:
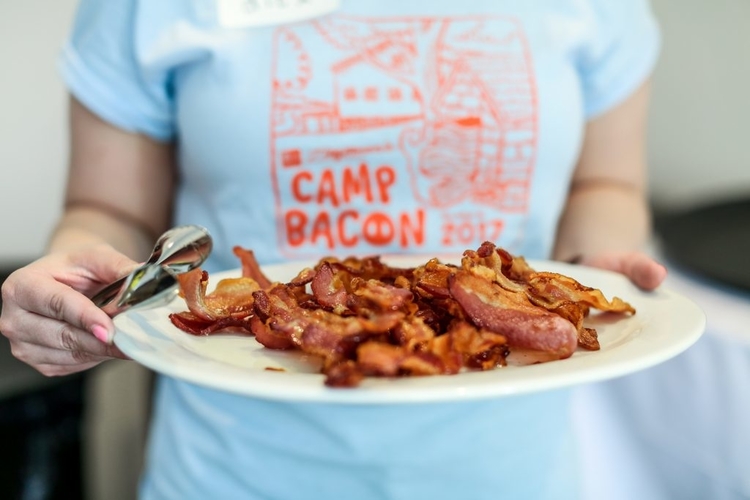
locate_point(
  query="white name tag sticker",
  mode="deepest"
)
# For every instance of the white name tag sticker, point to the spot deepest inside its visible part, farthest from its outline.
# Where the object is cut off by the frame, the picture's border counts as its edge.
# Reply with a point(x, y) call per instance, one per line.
point(247, 13)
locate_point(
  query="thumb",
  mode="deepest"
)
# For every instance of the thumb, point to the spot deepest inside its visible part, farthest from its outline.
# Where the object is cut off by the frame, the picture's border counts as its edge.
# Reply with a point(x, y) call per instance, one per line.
point(641, 269)
point(103, 264)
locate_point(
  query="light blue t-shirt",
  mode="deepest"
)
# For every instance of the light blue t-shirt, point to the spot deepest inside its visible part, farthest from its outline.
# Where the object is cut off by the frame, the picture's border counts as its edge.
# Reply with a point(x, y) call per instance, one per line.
point(381, 127)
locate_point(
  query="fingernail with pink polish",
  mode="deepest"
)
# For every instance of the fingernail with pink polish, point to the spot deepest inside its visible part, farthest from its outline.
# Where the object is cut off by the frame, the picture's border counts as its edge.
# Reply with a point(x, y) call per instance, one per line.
point(100, 333)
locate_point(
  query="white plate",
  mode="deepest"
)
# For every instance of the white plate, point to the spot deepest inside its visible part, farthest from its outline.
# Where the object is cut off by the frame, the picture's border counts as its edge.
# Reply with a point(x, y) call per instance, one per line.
point(665, 324)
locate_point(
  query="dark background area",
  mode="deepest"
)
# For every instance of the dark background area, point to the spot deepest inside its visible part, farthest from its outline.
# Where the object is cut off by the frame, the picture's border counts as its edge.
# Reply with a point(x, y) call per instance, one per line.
point(711, 241)
point(41, 429)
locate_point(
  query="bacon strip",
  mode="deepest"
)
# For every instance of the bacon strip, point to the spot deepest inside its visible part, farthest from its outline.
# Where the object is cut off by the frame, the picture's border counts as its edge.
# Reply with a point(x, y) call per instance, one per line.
point(193, 288)
point(232, 296)
point(523, 324)
point(551, 288)
point(190, 323)
point(329, 290)
point(250, 266)
point(488, 263)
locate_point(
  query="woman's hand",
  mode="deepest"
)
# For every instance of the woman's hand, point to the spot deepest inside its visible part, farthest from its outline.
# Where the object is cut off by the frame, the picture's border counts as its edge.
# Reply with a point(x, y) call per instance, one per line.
point(607, 212)
point(642, 270)
point(51, 323)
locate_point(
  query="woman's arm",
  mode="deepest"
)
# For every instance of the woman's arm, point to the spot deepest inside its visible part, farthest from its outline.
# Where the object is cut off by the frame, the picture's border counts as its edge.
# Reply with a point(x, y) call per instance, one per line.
point(119, 187)
point(606, 221)
point(118, 199)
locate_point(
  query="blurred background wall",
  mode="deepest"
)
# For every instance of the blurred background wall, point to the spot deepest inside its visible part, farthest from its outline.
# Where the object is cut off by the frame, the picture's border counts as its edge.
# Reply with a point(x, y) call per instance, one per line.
point(699, 152)
point(698, 138)
point(32, 123)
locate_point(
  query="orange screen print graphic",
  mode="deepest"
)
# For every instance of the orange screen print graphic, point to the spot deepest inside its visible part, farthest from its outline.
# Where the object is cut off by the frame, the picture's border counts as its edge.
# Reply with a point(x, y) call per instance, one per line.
point(379, 124)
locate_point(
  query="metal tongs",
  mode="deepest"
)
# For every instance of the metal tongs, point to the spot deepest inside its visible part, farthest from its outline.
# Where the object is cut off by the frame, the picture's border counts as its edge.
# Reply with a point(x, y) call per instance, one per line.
point(177, 251)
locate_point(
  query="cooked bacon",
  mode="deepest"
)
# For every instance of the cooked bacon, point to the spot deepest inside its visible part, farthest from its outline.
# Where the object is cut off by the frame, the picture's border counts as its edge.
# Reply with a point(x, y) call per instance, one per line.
point(479, 348)
point(444, 348)
point(318, 331)
point(232, 296)
point(303, 278)
point(194, 325)
point(332, 336)
point(384, 360)
point(438, 314)
point(514, 267)
point(464, 345)
point(488, 263)
point(333, 342)
point(329, 290)
point(431, 280)
point(373, 295)
point(364, 318)
point(268, 337)
point(522, 323)
point(412, 333)
point(424, 363)
point(226, 308)
point(344, 374)
point(371, 268)
point(278, 302)
point(380, 358)
point(576, 313)
point(549, 288)
point(588, 339)
point(250, 266)
point(193, 288)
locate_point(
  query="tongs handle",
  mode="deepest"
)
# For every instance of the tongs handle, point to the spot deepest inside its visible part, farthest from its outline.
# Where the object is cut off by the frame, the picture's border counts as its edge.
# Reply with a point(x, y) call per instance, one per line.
point(109, 292)
point(177, 251)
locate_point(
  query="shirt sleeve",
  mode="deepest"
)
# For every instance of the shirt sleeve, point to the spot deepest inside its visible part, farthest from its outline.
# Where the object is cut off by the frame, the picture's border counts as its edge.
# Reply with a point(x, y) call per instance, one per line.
point(622, 54)
point(101, 68)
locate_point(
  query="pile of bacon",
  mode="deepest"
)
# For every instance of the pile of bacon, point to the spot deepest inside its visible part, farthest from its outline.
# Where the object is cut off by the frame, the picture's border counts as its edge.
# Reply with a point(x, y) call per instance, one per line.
point(365, 318)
